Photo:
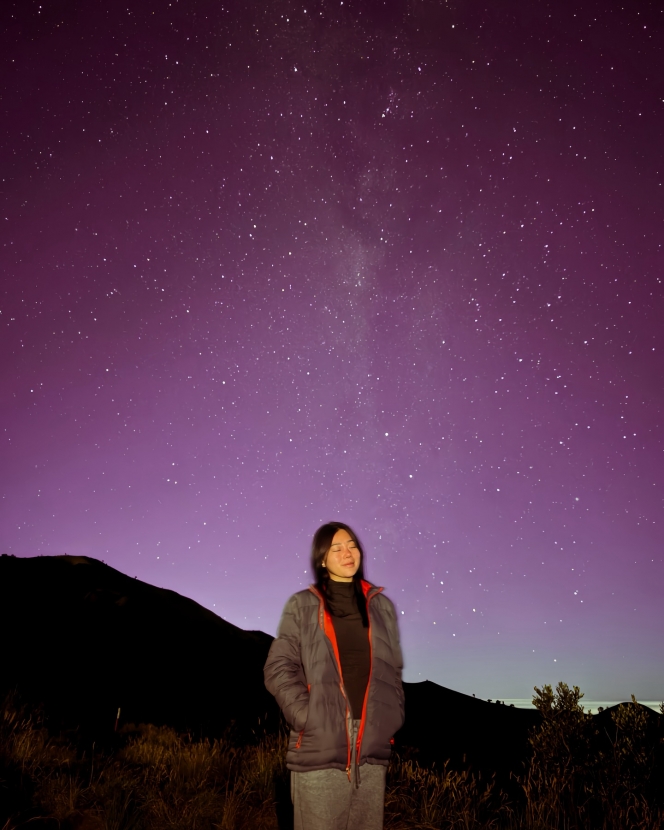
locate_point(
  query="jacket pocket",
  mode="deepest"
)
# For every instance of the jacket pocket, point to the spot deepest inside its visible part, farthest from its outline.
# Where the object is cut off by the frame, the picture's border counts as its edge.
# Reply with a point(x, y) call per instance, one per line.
point(298, 743)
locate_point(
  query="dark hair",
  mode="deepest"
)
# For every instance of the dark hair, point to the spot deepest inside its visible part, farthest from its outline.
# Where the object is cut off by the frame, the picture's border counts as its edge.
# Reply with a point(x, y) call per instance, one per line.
point(320, 545)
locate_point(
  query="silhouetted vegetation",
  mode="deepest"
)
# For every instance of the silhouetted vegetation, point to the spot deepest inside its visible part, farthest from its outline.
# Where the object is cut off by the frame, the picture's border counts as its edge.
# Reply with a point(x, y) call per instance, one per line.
point(596, 772)
point(603, 771)
point(152, 779)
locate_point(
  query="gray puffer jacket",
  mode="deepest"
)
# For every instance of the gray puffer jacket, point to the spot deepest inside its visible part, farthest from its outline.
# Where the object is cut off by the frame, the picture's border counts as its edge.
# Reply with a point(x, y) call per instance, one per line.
point(303, 672)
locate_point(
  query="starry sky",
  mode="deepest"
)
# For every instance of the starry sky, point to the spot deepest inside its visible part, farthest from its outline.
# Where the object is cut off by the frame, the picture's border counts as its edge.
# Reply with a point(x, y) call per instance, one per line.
point(397, 264)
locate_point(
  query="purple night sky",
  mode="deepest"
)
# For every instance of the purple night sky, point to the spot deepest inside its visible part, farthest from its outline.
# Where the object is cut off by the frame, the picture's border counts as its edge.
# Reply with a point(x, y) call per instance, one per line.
point(397, 264)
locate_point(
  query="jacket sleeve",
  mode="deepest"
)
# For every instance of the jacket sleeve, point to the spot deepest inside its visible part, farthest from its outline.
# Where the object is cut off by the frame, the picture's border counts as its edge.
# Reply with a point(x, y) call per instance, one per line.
point(393, 631)
point(283, 671)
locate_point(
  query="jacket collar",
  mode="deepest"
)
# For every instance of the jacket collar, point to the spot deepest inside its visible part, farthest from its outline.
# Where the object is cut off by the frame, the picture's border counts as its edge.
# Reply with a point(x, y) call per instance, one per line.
point(367, 589)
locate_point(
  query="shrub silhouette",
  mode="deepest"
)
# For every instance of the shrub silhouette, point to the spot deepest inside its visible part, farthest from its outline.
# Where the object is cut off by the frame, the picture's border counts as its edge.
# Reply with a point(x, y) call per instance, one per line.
point(579, 776)
point(563, 762)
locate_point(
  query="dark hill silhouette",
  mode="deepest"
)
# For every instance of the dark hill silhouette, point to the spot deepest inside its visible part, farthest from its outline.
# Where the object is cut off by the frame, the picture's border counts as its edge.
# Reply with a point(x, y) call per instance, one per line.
point(84, 639)
point(469, 731)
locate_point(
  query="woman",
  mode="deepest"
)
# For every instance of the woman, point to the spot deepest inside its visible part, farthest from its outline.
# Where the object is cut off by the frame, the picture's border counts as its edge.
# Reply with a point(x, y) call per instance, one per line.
point(335, 671)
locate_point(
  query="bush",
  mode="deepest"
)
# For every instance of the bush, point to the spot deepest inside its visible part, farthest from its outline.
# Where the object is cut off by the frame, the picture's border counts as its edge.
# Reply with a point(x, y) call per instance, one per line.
point(580, 777)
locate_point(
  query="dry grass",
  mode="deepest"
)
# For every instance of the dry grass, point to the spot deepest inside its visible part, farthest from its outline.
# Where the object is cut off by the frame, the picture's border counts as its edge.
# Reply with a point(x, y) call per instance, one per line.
point(157, 779)
point(430, 798)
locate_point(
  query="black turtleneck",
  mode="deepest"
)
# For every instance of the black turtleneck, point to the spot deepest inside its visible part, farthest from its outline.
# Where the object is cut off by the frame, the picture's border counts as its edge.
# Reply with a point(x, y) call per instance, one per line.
point(352, 640)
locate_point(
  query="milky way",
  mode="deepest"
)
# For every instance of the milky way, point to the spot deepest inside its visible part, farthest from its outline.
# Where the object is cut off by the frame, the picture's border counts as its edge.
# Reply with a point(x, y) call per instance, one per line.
point(394, 264)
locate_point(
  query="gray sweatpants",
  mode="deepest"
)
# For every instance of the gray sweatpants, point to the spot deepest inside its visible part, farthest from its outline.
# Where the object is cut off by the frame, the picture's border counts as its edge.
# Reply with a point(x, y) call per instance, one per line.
point(324, 799)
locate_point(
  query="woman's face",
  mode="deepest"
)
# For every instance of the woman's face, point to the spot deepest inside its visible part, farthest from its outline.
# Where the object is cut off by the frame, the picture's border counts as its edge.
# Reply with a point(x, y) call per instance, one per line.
point(343, 558)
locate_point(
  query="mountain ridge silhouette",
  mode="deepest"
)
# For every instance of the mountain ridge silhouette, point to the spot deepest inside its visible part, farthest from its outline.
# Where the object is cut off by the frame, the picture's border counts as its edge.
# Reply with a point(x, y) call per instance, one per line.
point(85, 639)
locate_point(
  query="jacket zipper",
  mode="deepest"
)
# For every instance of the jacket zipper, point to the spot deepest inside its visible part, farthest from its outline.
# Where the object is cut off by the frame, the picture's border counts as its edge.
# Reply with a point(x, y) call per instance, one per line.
point(360, 731)
point(322, 620)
